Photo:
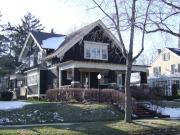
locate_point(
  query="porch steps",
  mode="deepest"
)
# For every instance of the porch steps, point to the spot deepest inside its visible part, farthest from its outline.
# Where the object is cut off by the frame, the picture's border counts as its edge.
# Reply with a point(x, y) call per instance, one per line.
point(140, 111)
point(143, 112)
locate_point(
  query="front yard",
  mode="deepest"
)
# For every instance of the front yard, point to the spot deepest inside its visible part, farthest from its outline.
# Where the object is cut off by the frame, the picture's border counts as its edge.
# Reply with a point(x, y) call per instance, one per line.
point(138, 127)
point(45, 112)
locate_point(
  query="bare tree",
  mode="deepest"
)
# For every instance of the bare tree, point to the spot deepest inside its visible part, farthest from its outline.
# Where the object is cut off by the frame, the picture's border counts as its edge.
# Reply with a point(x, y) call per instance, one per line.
point(124, 15)
point(163, 17)
point(148, 16)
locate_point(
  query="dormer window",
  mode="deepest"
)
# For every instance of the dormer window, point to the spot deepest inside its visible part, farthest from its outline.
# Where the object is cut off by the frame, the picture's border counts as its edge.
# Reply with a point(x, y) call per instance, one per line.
point(95, 50)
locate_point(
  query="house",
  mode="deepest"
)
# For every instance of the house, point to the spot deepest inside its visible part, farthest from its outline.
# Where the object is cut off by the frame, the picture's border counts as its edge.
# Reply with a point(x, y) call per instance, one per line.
point(55, 61)
point(165, 71)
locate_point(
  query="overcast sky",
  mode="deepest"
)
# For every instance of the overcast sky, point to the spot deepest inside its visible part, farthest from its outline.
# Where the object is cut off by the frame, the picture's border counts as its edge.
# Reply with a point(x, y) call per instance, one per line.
point(64, 16)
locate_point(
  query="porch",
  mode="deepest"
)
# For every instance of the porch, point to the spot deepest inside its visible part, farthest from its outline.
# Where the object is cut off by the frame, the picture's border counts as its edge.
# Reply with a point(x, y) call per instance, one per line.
point(84, 74)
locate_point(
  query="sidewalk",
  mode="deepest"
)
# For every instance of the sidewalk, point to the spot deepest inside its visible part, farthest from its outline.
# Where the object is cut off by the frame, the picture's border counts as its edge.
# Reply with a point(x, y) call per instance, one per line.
point(36, 125)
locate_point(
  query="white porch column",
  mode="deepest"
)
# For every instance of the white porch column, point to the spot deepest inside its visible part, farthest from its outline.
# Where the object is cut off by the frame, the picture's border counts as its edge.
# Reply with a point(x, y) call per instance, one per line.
point(60, 78)
point(170, 88)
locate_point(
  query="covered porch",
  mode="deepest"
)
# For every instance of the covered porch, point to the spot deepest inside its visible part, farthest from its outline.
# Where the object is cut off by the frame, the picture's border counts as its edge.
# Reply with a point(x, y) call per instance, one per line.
point(84, 74)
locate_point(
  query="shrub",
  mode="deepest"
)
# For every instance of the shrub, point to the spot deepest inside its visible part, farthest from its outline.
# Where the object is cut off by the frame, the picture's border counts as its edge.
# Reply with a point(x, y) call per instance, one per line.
point(6, 95)
point(79, 94)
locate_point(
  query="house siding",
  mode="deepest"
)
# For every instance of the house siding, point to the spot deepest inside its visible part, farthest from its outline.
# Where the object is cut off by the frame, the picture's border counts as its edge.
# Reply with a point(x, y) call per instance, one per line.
point(32, 90)
point(165, 65)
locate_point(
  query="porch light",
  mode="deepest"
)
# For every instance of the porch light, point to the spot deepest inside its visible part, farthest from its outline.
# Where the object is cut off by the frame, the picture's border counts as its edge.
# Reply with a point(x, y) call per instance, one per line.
point(99, 76)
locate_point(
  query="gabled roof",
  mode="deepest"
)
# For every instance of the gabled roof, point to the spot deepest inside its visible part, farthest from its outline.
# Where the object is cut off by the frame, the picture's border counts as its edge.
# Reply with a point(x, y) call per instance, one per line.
point(175, 50)
point(78, 35)
point(43, 40)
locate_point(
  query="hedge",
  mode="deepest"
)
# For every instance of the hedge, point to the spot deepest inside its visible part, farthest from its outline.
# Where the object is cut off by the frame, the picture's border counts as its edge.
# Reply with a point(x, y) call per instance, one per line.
point(79, 94)
point(6, 95)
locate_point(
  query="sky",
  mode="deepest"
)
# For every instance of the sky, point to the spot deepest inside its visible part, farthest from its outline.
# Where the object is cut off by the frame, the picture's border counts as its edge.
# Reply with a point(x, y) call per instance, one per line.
point(65, 16)
point(62, 15)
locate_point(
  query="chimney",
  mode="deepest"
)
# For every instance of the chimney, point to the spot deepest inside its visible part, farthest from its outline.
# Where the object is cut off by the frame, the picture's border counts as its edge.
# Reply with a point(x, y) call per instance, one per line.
point(159, 51)
point(179, 38)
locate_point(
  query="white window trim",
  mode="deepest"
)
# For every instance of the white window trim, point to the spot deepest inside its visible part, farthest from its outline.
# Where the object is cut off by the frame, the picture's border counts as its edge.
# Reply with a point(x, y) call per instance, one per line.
point(39, 57)
point(101, 46)
point(69, 74)
point(31, 59)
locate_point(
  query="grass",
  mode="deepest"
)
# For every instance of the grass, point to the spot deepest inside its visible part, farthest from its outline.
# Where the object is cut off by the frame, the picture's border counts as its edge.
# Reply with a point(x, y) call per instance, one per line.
point(45, 112)
point(138, 127)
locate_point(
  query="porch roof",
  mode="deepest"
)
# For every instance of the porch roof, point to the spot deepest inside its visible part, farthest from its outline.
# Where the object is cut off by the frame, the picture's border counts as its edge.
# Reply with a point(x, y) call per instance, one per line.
point(98, 65)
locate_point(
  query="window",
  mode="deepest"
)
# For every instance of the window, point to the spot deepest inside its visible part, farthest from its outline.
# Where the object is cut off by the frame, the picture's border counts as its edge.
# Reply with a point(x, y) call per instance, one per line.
point(104, 53)
point(69, 74)
point(157, 70)
point(94, 50)
point(175, 68)
point(88, 54)
point(166, 56)
point(39, 57)
point(31, 60)
point(32, 79)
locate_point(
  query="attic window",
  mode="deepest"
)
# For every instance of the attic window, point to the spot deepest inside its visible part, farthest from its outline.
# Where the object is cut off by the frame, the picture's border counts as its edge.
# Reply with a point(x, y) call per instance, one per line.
point(166, 56)
point(95, 50)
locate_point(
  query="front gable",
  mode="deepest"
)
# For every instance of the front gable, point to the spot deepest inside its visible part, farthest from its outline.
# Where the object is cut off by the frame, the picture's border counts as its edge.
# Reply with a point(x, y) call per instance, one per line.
point(30, 41)
point(96, 33)
point(96, 40)
point(79, 35)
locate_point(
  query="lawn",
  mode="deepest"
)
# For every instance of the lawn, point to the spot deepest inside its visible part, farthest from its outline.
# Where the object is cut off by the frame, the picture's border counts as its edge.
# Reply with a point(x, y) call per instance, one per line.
point(138, 127)
point(45, 112)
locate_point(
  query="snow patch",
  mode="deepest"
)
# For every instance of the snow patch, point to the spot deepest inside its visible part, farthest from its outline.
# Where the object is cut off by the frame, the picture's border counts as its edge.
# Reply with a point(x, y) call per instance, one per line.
point(8, 105)
point(172, 112)
point(53, 42)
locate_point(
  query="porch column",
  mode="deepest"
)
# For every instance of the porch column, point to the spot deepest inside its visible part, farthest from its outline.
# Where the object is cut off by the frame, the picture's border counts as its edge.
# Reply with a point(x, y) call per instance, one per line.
point(75, 77)
point(60, 78)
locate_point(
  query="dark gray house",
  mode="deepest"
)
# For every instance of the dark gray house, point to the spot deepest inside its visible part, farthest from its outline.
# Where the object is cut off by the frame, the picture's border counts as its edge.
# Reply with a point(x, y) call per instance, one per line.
point(54, 60)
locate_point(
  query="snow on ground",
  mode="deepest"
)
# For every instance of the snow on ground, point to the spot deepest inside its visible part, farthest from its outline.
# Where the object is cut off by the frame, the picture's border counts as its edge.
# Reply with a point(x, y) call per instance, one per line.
point(173, 112)
point(7, 105)
point(53, 42)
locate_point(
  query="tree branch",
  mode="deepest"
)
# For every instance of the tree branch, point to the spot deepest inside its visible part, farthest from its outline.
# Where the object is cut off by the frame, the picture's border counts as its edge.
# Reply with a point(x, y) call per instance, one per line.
point(143, 34)
point(171, 5)
point(118, 30)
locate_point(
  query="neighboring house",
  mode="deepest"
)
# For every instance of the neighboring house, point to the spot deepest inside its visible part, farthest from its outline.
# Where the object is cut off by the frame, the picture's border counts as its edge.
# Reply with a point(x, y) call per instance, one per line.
point(56, 61)
point(165, 71)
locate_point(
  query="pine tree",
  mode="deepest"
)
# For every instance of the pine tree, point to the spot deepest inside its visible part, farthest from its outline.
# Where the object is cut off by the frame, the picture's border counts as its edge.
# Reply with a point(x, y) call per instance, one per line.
point(12, 40)
point(17, 34)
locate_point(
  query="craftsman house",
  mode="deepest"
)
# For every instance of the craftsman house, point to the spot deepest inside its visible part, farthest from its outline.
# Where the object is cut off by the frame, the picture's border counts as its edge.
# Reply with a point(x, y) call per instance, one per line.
point(57, 61)
point(165, 71)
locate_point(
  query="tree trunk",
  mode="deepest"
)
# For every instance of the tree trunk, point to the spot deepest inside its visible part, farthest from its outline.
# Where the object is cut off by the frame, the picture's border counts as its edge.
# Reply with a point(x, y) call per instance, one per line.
point(129, 61)
point(128, 104)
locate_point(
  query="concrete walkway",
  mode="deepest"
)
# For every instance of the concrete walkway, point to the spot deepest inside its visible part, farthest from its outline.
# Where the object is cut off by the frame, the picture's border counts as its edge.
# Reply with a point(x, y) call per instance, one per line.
point(36, 125)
